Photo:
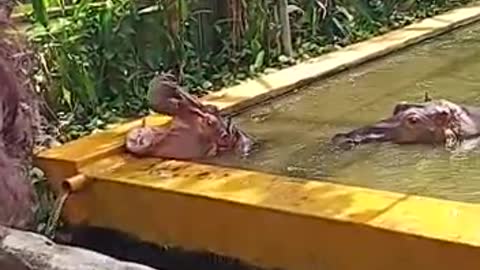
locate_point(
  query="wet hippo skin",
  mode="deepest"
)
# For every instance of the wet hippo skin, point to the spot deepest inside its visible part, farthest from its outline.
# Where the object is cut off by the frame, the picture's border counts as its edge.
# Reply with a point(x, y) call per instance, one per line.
point(432, 122)
point(196, 130)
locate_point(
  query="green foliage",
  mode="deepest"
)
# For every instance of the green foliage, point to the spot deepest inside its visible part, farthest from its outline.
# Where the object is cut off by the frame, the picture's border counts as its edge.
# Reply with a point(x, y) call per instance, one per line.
point(46, 198)
point(93, 65)
point(98, 60)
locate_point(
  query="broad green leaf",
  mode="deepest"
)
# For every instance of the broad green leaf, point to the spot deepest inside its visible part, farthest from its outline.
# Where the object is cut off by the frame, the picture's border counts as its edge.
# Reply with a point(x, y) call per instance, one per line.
point(259, 60)
point(40, 11)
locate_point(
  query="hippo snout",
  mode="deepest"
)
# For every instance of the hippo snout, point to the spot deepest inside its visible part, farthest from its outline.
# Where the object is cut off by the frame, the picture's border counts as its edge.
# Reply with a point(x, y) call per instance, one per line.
point(342, 140)
point(245, 145)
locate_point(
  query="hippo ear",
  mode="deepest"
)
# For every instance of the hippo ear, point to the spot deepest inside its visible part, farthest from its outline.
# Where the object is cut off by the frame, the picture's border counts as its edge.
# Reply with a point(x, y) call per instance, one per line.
point(400, 107)
point(211, 109)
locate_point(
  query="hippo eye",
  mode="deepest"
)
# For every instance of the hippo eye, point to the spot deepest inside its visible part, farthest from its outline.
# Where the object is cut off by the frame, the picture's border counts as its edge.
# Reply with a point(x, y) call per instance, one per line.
point(209, 121)
point(444, 114)
point(412, 120)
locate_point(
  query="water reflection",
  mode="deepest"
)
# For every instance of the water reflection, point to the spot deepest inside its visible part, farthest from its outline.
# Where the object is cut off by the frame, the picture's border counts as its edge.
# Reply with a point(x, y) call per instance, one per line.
point(296, 129)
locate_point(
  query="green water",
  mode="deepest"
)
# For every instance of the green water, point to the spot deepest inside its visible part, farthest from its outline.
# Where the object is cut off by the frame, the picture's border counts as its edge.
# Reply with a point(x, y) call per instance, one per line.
point(295, 129)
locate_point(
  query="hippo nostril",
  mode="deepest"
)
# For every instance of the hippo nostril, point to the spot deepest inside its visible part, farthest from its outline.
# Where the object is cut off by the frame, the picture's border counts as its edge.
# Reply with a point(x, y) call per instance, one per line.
point(340, 138)
point(224, 140)
point(224, 136)
point(343, 141)
point(245, 146)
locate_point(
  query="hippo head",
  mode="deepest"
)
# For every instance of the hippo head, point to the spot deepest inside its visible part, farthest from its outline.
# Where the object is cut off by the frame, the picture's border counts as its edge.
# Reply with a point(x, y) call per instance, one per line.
point(411, 123)
point(165, 93)
point(221, 130)
point(234, 138)
point(200, 128)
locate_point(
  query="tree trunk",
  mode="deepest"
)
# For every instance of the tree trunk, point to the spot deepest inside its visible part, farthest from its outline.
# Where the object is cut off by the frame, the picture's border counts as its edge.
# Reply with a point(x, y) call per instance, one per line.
point(285, 24)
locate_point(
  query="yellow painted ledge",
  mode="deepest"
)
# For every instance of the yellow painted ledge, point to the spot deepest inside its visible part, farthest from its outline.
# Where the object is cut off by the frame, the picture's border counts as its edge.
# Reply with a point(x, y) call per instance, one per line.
point(264, 219)
point(276, 221)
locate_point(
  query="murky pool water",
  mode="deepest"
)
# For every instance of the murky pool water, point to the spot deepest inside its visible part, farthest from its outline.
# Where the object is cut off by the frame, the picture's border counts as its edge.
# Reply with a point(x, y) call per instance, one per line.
point(297, 128)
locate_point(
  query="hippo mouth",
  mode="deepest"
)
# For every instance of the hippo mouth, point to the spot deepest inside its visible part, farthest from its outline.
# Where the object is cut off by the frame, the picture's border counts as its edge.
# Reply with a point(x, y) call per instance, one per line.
point(196, 130)
point(370, 134)
point(234, 138)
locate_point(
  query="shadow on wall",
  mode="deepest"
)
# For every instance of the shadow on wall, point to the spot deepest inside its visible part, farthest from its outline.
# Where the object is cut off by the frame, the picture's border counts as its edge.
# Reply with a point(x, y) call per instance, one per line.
point(128, 248)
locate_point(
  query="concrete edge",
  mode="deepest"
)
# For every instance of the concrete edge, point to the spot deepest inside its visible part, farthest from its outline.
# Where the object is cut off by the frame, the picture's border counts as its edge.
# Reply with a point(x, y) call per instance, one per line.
point(274, 221)
point(313, 198)
point(263, 86)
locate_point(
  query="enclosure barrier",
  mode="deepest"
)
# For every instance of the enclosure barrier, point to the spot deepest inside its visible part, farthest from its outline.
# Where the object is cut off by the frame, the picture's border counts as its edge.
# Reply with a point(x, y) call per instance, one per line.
point(264, 219)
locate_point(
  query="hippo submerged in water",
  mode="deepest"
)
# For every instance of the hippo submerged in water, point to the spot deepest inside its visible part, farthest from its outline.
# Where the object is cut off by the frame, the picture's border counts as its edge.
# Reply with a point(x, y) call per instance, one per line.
point(432, 122)
point(196, 130)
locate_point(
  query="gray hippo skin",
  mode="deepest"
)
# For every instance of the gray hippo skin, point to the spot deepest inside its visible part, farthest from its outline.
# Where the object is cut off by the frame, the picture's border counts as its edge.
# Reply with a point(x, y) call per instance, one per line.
point(433, 122)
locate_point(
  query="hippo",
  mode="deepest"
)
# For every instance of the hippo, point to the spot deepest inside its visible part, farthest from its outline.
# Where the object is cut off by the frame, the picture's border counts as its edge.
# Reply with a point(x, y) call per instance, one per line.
point(432, 122)
point(196, 130)
point(165, 93)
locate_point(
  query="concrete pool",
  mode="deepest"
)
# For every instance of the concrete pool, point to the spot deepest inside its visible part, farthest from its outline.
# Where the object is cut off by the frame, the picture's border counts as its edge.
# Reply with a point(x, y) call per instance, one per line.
point(273, 220)
point(296, 129)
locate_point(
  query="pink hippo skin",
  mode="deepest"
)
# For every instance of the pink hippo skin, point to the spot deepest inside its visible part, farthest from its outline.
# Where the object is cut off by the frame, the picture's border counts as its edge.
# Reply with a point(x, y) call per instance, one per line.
point(196, 130)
